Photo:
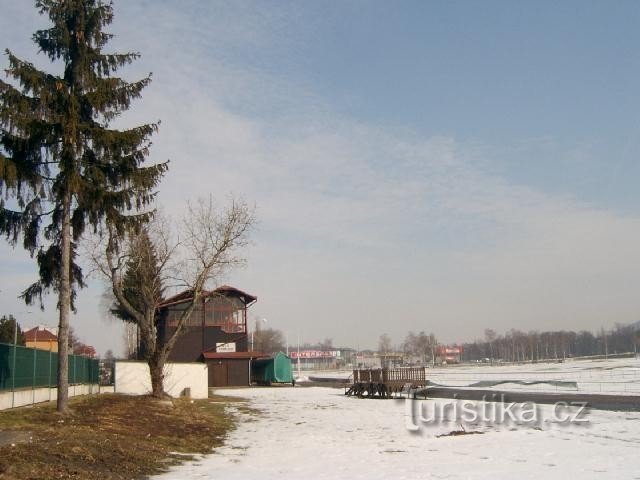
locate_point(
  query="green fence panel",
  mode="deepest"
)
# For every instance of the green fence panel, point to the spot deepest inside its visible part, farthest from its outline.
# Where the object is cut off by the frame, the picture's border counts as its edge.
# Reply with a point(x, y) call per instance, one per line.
point(39, 368)
point(72, 371)
point(23, 375)
point(82, 369)
point(5, 366)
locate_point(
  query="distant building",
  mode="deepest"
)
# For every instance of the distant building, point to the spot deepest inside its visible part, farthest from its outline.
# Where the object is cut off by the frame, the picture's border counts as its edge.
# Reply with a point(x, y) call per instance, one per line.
point(215, 332)
point(84, 350)
point(448, 354)
point(391, 359)
point(368, 359)
point(316, 359)
point(41, 338)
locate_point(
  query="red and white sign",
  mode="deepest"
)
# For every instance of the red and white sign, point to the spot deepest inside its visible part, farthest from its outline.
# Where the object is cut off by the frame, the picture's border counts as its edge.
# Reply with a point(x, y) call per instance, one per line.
point(314, 354)
point(446, 350)
point(226, 347)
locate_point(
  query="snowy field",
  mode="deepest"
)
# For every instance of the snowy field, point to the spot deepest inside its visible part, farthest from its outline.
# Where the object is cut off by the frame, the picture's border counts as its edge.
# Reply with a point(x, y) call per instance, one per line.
point(319, 433)
point(616, 376)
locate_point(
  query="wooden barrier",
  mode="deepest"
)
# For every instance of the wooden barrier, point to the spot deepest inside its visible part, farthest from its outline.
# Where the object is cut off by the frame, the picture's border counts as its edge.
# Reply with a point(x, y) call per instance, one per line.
point(386, 382)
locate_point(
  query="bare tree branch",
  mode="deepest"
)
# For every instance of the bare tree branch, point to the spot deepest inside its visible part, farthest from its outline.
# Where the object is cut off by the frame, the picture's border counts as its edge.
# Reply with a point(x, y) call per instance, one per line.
point(208, 244)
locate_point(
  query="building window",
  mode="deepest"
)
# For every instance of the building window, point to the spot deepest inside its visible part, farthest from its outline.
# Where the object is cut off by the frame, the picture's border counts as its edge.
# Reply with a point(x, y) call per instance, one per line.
point(175, 312)
point(227, 313)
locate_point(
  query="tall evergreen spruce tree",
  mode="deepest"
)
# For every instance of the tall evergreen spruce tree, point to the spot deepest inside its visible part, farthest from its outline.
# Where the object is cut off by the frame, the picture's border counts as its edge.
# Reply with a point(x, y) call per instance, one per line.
point(61, 167)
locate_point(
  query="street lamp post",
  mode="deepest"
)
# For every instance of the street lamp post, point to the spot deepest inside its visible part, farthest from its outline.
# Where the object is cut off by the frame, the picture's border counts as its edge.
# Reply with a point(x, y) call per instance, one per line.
point(299, 376)
point(252, 344)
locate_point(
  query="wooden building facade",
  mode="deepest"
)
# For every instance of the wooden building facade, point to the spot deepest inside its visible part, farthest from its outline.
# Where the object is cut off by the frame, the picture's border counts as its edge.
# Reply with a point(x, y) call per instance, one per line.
point(216, 332)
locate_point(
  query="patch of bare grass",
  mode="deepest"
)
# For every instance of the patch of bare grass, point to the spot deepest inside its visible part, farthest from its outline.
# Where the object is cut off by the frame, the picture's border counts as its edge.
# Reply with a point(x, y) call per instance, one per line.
point(109, 437)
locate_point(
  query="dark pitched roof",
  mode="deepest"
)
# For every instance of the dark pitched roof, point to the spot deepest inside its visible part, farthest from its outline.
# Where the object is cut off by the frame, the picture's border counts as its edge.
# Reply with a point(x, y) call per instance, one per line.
point(225, 290)
point(86, 350)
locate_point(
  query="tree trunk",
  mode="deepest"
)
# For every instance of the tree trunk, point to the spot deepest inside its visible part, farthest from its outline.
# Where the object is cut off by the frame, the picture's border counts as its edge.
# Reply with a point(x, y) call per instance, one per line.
point(64, 305)
point(156, 369)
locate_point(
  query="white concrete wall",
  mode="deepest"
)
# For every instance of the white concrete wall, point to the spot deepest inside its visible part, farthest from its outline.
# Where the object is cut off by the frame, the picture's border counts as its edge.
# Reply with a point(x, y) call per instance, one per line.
point(133, 378)
point(23, 397)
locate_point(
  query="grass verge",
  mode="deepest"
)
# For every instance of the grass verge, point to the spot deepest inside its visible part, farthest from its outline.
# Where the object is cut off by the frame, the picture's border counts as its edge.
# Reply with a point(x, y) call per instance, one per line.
point(108, 437)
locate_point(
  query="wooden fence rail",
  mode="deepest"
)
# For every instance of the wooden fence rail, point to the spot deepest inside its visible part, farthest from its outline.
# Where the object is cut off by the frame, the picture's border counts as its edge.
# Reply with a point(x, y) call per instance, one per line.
point(386, 382)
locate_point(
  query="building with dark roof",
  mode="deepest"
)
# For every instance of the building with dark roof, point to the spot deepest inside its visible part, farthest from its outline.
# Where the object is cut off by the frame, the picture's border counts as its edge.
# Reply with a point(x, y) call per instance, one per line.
point(41, 338)
point(216, 332)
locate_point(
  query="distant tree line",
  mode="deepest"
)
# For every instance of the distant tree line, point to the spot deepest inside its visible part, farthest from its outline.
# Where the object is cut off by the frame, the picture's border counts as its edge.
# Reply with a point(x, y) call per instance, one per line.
point(519, 346)
point(417, 347)
point(421, 345)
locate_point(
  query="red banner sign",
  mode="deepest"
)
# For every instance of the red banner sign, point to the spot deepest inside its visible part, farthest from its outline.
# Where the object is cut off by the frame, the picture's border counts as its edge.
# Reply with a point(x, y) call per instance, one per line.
point(314, 354)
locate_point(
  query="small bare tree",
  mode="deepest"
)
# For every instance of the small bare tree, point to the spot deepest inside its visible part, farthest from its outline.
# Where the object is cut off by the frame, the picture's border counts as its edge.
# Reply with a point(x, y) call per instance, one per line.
point(384, 348)
point(490, 337)
point(421, 345)
point(140, 265)
point(384, 344)
point(269, 340)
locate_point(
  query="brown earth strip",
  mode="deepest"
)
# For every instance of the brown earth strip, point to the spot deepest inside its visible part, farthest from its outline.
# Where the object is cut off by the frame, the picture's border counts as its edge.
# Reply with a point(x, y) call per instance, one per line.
point(109, 437)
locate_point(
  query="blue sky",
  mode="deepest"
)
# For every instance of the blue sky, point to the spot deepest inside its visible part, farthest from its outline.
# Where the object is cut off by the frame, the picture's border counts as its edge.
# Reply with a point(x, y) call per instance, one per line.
point(439, 166)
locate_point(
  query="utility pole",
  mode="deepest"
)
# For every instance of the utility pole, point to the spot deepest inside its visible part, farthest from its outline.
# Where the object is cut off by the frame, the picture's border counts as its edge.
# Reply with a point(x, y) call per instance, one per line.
point(13, 367)
point(299, 376)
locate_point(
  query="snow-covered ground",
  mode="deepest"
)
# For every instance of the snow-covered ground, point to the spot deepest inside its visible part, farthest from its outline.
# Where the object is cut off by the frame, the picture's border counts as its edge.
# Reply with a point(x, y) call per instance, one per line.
point(319, 433)
point(617, 376)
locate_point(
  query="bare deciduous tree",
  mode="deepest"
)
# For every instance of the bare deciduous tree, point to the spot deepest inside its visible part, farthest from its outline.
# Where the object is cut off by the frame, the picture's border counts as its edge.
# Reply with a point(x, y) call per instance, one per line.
point(140, 265)
point(490, 336)
point(421, 345)
point(269, 340)
point(384, 344)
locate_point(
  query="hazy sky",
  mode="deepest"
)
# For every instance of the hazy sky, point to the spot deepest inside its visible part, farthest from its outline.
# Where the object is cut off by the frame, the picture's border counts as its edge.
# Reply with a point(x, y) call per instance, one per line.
point(439, 166)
